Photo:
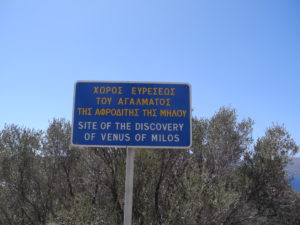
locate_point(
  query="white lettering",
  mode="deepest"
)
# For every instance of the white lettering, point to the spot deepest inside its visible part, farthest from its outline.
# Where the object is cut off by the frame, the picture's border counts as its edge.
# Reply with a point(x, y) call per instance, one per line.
point(159, 126)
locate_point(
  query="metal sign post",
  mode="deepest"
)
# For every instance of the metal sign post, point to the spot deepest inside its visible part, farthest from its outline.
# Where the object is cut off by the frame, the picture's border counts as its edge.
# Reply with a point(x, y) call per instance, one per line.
point(130, 153)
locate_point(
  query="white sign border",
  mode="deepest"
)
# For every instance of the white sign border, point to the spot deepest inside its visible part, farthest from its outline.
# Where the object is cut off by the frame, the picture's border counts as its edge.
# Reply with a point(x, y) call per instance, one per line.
point(131, 146)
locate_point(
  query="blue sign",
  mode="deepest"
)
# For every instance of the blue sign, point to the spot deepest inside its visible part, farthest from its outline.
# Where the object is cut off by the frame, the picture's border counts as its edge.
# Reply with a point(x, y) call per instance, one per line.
point(132, 114)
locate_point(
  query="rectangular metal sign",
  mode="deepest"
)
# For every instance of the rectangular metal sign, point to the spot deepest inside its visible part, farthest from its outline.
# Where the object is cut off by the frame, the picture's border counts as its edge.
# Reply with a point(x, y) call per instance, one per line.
point(132, 114)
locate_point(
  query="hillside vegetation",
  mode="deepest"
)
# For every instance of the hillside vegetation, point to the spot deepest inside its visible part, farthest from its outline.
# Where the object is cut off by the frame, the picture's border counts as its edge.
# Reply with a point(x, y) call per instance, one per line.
point(293, 167)
point(43, 181)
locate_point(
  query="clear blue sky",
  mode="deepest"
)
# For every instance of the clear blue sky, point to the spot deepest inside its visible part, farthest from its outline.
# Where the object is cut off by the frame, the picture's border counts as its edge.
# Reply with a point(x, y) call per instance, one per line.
point(243, 54)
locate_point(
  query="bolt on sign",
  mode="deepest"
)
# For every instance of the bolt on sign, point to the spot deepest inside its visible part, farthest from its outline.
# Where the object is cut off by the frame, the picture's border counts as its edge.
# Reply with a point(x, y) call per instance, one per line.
point(132, 114)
